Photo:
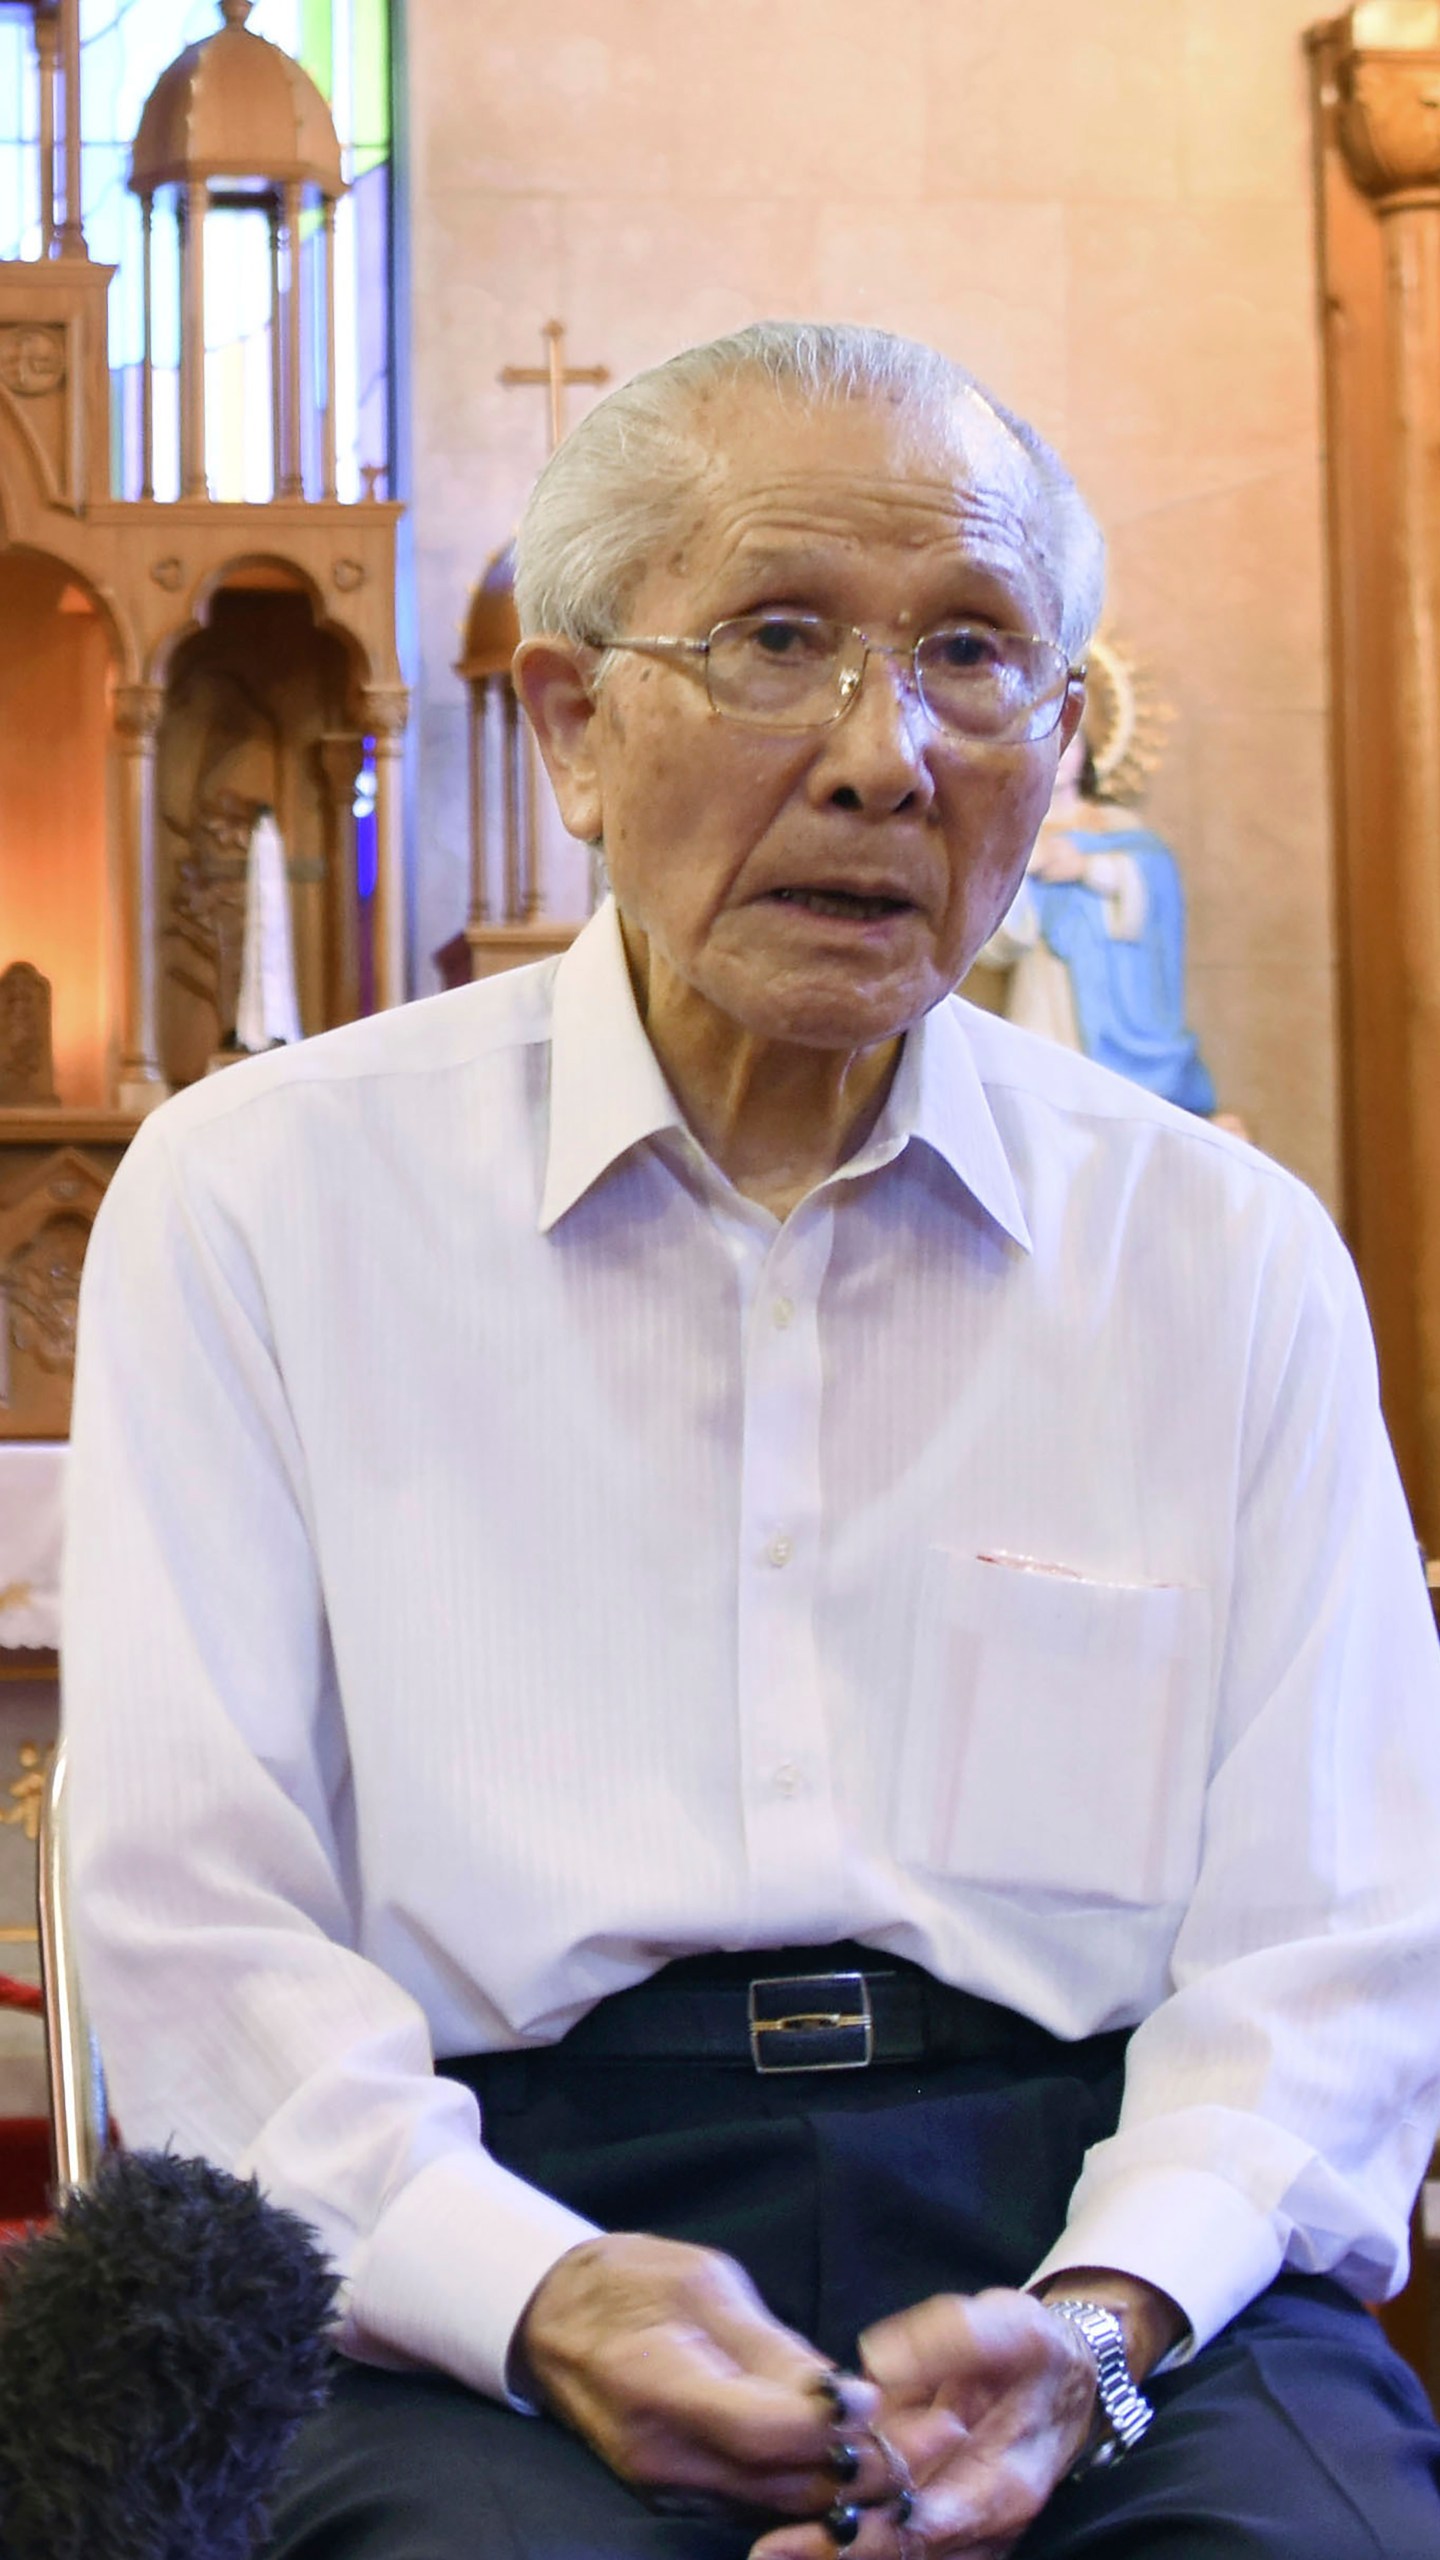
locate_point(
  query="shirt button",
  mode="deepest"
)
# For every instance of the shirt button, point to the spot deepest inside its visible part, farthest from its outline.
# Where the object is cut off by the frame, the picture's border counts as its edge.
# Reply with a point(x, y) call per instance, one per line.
point(783, 1312)
point(787, 1778)
point(780, 1550)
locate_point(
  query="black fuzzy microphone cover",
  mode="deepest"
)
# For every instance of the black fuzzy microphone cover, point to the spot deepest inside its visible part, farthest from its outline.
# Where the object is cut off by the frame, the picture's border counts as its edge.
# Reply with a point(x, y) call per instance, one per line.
point(160, 2343)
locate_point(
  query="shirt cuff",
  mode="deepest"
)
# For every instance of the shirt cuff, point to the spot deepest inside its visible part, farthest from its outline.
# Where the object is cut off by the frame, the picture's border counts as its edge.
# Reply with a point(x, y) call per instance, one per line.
point(450, 2266)
point(1186, 2231)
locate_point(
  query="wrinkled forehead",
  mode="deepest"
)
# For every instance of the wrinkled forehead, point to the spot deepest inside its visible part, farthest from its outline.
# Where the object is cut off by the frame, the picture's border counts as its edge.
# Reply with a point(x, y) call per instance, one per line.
point(863, 469)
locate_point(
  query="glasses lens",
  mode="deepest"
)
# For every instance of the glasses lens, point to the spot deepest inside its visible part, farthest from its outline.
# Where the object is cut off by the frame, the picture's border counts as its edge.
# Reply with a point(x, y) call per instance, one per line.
point(991, 684)
point(780, 670)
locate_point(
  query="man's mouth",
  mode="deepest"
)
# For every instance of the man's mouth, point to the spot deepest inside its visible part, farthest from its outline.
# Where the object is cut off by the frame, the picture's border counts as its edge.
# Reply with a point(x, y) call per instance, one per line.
point(851, 905)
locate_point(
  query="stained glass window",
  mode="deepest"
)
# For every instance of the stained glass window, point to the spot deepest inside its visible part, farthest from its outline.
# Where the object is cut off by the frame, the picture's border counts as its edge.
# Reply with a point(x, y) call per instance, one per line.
point(126, 44)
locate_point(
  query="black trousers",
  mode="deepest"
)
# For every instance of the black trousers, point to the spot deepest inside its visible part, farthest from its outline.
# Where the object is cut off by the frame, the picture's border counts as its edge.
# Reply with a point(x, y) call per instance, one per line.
point(1296, 2435)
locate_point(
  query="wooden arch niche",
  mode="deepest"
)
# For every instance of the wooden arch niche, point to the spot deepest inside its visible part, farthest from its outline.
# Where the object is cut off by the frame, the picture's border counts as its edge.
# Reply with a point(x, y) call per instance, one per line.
point(259, 713)
point(55, 680)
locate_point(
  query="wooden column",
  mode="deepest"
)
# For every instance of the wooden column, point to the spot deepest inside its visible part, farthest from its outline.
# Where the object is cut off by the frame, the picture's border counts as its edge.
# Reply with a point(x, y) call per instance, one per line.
point(1387, 103)
point(293, 483)
point(479, 698)
point(47, 47)
point(513, 770)
point(71, 238)
point(327, 467)
point(384, 709)
point(341, 754)
point(192, 205)
point(277, 355)
point(147, 353)
point(136, 714)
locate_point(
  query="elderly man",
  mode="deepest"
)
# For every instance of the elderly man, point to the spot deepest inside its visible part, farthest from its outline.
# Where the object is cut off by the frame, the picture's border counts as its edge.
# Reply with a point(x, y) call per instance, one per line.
point(749, 1694)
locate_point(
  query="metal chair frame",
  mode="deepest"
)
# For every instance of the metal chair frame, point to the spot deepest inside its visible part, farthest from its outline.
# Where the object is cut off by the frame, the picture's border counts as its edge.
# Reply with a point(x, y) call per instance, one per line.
point(79, 2116)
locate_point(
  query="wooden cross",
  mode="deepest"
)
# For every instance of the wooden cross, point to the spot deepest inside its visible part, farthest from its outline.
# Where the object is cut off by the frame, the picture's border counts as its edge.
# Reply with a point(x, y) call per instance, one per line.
point(554, 375)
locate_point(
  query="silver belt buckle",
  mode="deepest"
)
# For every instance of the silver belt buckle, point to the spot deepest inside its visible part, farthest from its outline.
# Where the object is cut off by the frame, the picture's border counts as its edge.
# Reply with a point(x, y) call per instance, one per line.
point(811, 2022)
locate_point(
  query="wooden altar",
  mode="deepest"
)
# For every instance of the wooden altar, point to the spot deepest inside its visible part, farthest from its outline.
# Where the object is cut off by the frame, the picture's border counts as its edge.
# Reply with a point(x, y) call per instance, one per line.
point(171, 665)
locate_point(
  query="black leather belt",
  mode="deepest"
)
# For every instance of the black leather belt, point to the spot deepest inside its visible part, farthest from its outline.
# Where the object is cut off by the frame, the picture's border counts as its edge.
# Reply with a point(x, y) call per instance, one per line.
point(774, 2022)
point(884, 2011)
point(790, 2009)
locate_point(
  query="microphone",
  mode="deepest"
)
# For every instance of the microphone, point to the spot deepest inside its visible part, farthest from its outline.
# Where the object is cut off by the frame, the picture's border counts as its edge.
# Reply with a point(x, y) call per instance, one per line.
point(160, 2342)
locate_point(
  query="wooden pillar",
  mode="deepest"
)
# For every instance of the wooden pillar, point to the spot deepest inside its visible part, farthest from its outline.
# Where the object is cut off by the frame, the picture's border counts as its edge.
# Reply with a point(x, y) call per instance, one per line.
point(384, 709)
point(1389, 130)
point(530, 806)
point(186, 353)
point(513, 761)
point(140, 1083)
point(147, 352)
point(478, 690)
point(71, 237)
point(341, 754)
point(328, 472)
point(277, 355)
point(47, 46)
point(192, 204)
point(292, 484)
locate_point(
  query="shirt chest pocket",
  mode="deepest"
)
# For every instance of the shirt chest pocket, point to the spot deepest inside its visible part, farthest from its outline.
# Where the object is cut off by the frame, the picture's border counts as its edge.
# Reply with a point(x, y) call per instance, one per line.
point(1057, 1733)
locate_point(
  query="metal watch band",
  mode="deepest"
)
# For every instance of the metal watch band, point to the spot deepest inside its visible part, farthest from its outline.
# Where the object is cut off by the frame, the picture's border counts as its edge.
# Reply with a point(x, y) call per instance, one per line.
point(1125, 2409)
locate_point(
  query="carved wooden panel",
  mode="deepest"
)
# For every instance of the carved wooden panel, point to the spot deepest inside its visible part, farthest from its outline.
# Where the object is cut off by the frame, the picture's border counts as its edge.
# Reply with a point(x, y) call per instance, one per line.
point(49, 1195)
point(54, 378)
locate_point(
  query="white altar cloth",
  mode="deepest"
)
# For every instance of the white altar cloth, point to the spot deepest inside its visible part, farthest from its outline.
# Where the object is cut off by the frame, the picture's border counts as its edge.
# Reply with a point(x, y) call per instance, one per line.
point(32, 1477)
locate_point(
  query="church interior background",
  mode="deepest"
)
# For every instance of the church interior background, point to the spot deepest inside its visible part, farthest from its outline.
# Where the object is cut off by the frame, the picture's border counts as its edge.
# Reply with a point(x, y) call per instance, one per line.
point(253, 523)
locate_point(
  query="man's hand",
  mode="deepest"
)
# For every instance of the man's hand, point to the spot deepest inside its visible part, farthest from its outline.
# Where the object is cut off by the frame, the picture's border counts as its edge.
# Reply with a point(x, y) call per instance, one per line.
point(988, 2398)
point(664, 2358)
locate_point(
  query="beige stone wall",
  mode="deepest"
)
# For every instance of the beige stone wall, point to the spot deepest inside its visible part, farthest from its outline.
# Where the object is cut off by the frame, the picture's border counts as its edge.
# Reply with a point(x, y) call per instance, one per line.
point(1103, 209)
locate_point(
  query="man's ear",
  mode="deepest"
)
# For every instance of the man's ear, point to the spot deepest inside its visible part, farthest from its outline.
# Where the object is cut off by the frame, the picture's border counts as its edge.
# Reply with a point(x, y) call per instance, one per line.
point(551, 679)
point(1072, 711)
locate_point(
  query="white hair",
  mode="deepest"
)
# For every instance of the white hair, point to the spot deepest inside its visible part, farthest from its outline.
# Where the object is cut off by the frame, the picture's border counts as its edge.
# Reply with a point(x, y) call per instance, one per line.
point(622, 483)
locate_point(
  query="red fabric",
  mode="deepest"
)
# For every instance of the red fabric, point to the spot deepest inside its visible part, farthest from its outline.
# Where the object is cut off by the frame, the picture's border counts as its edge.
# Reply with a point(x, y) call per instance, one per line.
point(25, 2171)
point(21, 1995)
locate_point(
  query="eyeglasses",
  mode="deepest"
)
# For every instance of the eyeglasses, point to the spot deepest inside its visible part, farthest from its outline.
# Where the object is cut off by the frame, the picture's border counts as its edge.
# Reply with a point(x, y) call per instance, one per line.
point(801, 671)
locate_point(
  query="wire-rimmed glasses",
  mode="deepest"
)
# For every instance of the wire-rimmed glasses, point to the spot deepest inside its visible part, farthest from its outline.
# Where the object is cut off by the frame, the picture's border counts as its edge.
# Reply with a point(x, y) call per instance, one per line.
point(802, 671)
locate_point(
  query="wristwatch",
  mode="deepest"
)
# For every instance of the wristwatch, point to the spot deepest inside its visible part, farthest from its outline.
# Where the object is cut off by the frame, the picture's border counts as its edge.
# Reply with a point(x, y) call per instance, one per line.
point(1125, 2410)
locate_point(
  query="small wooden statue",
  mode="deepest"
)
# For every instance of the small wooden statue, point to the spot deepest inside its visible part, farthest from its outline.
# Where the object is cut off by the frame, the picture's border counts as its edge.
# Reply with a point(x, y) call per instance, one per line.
point(27, 1059)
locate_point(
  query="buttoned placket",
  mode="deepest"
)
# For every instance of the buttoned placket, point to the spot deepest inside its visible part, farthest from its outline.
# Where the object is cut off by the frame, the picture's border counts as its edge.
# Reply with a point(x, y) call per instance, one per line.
point(786, 1778)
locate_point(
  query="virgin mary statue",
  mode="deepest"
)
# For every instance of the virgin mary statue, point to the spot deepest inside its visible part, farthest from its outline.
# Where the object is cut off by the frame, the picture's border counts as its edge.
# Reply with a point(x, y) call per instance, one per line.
point(1092, 950)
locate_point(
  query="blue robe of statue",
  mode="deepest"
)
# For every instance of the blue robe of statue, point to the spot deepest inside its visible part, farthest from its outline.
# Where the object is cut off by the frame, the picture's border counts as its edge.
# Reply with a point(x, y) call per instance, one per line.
point(1130, 996)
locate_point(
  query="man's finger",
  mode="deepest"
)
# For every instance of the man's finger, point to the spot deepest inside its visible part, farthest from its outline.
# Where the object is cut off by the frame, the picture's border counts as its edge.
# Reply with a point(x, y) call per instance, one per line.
point(973, 2348)
point(667, 2393)
point(737, 2319)
point(874, 2533)
point(915, 2353)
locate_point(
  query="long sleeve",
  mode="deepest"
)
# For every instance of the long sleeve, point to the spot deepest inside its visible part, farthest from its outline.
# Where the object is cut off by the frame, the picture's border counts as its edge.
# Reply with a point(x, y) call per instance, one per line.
point(1281, 2102)
point(213, 1822)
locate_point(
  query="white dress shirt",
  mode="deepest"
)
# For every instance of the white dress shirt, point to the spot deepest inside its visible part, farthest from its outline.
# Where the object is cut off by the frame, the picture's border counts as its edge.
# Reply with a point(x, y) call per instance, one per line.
point(501, 1558)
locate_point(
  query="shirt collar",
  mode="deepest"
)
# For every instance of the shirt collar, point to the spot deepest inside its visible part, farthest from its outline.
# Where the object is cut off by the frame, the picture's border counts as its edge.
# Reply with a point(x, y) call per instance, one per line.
point(938, 1098)
point(607, 1091)
point(609, 1094)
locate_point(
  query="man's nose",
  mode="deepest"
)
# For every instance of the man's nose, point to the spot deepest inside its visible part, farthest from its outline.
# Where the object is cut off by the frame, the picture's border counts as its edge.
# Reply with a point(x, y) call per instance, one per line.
point(876, 755)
